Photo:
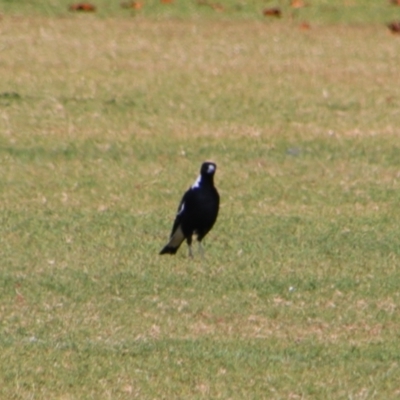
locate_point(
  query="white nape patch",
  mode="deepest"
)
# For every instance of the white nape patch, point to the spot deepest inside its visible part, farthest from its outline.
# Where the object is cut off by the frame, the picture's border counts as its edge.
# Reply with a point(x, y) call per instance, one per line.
point(210, 169)
point(181, 208)
point(197, 183)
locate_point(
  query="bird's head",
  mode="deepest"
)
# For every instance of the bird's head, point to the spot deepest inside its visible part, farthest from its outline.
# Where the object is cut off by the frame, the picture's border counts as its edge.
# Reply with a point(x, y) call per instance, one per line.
point(208, 168)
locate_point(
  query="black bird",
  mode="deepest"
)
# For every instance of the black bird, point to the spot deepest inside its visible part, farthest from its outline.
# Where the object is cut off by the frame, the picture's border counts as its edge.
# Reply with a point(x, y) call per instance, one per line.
point(197, 211)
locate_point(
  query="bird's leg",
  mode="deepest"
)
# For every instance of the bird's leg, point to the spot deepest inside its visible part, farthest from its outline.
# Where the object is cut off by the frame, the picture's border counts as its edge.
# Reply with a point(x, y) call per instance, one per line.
point(201, 250)
point(189, 242)
point(190, 251)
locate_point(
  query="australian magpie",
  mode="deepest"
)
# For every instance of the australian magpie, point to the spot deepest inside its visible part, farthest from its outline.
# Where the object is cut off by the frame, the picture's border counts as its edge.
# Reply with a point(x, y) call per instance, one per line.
point(197, 211)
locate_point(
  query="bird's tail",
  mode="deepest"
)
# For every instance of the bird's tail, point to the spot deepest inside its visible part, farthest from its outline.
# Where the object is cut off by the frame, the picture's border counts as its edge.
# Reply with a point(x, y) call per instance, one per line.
point(174, 242)
point(169, 250)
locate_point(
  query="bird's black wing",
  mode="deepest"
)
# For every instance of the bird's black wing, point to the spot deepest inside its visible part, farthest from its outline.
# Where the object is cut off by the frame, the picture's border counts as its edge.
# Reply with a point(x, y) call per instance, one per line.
point(182, 210)
point(177, 236)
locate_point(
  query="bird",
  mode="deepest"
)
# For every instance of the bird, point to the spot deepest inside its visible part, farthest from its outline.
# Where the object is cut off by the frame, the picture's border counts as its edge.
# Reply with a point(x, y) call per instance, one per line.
point(394, 27)
point(197, 212)
point(82, 7)
point(272, 12)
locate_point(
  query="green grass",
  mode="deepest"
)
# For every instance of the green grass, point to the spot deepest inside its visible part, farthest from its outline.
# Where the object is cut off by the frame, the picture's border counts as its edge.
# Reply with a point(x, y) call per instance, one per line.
point(316, 11)
point(104, 123)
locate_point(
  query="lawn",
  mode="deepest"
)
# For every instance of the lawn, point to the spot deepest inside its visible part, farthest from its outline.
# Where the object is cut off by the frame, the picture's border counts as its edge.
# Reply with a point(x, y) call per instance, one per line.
point(105, 119)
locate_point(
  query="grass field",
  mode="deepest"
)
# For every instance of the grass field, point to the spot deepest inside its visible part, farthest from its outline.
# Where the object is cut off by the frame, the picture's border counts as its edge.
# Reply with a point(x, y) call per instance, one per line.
point(318, 11)
point(105, 119)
